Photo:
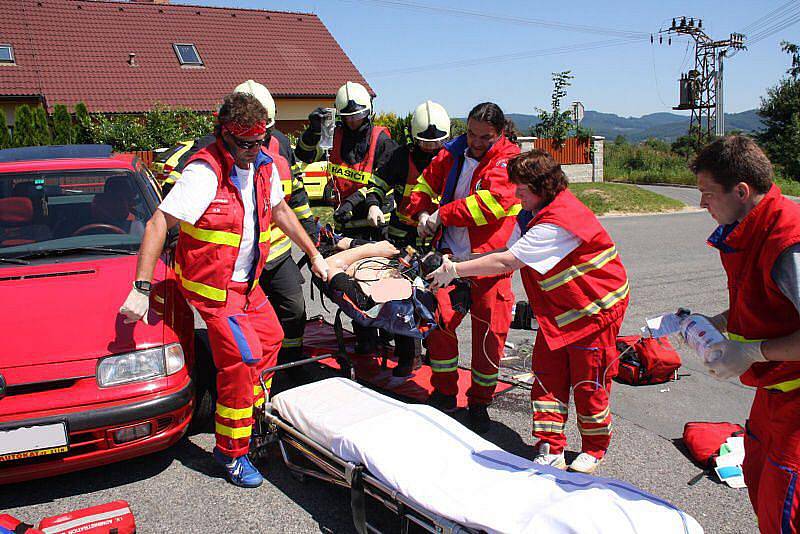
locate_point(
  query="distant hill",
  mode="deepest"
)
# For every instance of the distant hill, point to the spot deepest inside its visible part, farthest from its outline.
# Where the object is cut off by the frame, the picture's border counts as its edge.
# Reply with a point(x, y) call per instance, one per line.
point(667, 126)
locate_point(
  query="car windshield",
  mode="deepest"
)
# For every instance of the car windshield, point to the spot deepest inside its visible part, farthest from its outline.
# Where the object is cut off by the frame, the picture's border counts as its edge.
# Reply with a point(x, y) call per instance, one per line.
point(63, 210)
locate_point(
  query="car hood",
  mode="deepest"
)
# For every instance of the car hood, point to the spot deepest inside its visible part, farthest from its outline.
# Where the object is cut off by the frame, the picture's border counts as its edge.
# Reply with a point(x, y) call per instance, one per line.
point(69, 311)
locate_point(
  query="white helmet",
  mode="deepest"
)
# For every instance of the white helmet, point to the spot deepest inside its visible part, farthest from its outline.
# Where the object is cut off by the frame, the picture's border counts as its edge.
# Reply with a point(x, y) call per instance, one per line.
point(430, 122)
point(353, 99)
point(262, 95)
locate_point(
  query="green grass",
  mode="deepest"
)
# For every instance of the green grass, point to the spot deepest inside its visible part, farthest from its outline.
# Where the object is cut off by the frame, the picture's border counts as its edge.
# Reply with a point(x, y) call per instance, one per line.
point(788, 187)
point(603, 198)
point(642, 164)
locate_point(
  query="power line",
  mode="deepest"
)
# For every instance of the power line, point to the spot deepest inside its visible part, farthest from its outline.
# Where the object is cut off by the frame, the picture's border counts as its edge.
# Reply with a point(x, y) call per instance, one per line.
point(510, 19)
point(501, 58)
point(775, 29)
point(772, 16)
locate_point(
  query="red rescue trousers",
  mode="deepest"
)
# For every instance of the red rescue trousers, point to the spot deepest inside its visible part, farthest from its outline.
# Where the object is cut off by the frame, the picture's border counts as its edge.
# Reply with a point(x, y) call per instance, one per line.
point(587, 367)
point(772, 460)
point(492, 300)
point(245, 338)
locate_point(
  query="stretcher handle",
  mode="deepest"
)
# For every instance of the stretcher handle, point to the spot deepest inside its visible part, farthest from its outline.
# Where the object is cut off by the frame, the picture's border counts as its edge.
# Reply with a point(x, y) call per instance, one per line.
point(298, 363)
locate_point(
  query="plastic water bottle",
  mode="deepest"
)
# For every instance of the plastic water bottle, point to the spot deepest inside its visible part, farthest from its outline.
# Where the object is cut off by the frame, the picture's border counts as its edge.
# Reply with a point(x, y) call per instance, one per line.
point(700, 335)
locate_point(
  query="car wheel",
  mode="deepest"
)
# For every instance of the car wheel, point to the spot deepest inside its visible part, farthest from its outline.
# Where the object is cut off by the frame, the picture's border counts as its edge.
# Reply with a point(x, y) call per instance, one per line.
point(204, 378)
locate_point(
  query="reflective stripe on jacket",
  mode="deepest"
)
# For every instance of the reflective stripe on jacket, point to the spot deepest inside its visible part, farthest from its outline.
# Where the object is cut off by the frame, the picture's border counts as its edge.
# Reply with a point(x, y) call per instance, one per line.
point(207, 250)
point(588, 289)
point(758, 308)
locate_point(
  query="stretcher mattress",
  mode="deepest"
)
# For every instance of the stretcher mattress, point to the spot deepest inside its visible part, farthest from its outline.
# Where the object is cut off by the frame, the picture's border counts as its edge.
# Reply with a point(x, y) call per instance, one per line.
point(441, 465)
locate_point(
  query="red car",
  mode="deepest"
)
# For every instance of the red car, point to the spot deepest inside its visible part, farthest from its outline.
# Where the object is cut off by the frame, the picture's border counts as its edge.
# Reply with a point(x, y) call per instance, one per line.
point(79, 387)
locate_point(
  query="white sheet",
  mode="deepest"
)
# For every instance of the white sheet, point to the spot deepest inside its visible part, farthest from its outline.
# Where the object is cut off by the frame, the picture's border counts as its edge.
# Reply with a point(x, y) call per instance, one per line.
point(447, 469)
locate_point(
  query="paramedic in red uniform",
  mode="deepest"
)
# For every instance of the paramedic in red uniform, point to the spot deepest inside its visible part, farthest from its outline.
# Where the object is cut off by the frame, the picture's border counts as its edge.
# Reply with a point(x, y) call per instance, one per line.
point(578, 287)
point(759, 244)
point(224, 203)
point(475, 215)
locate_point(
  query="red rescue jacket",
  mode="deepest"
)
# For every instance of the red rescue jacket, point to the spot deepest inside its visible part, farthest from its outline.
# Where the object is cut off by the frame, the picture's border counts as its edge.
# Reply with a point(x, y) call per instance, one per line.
point(758, 308)
point(207, 250)
point(488, 211)
point(347, 179)
point(587, 290)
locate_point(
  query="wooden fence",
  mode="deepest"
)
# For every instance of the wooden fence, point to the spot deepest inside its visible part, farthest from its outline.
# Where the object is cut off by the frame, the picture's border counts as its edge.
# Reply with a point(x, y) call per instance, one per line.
point(572, 151)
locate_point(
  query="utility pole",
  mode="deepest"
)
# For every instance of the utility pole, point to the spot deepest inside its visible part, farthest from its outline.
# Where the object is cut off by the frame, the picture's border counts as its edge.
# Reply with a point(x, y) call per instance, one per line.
point(701, 88)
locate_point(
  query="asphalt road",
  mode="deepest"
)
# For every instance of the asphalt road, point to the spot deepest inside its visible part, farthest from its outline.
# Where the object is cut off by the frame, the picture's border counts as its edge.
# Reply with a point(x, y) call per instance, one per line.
point(181, 490)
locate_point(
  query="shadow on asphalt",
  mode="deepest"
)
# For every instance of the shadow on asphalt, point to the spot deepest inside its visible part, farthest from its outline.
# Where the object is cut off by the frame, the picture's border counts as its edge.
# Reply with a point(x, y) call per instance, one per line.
point(88, 481)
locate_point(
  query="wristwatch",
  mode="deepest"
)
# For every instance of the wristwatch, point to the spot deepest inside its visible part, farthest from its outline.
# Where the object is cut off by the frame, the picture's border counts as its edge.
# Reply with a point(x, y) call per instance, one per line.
point(143, 286)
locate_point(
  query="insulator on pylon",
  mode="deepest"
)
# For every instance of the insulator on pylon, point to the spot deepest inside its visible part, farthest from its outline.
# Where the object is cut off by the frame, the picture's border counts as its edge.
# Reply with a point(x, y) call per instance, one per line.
point(673, 24)
point(669, 41)
point(699, 23)
point(683, 22)
point(691, 23)
point(660, 39)
point(651, 38)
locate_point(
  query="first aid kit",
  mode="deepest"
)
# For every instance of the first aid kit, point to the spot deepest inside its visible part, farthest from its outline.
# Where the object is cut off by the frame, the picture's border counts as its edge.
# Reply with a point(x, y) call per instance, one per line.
point(110, 518)
point(646, 360)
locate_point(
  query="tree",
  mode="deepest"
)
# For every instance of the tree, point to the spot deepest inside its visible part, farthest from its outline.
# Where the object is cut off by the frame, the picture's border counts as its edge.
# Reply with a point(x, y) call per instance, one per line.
point(686, 146)
point(40, 127)
point(399, 127)
point(780, 113)
point(24, 134)
point(83, 124)
point(621, 140)
point(63, 132)
point(457, 127)
point(555, 124)
point(5, 135)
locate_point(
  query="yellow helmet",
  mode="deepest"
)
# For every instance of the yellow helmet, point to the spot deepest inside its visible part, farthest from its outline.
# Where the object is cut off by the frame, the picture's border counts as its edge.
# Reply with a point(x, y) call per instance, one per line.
point(430, 122)
point(353, 99)
point(262, 95)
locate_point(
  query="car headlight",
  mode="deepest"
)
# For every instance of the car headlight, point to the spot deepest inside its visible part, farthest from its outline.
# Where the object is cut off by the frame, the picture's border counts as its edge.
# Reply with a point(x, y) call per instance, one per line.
point(140, 365)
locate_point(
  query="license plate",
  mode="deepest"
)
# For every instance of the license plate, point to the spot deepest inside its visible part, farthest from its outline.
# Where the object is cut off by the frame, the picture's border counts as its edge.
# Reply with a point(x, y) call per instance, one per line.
point(33, 441)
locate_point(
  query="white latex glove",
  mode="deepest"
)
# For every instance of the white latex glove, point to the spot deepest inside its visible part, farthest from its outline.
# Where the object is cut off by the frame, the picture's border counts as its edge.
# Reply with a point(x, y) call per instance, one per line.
point(445, 274)
point(375, 216)
point(135, 307)
point(733, 358)
point(319, 266)
point(422, 224)
point(433, 222)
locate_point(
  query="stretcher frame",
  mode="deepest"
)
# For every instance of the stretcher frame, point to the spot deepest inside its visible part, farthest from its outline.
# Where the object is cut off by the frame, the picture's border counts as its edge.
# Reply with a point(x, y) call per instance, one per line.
point(270, 428)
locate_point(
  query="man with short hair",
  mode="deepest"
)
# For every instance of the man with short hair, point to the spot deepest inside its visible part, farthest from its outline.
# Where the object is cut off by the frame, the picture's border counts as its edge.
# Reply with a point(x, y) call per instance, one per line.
point(758, 239)
point(224, 202)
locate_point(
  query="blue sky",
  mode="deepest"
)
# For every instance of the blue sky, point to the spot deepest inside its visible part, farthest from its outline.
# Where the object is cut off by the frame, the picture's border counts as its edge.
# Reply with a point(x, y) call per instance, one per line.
point(391, 42)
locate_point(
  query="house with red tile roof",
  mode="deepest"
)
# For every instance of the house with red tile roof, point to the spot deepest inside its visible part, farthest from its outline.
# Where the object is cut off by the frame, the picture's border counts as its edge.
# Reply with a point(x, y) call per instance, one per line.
point(126, 57)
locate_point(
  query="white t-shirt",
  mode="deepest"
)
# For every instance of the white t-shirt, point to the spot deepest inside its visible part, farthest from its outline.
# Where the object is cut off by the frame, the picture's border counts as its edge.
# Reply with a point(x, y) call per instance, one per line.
point(456, 238)
point(542, 246)
point(197, 187)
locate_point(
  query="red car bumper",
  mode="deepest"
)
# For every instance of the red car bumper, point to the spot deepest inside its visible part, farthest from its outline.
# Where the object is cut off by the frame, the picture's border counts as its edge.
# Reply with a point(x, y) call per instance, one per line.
point(91, 435)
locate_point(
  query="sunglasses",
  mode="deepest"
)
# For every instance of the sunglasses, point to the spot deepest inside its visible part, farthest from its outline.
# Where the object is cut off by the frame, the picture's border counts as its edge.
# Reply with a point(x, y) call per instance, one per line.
point(246, 145)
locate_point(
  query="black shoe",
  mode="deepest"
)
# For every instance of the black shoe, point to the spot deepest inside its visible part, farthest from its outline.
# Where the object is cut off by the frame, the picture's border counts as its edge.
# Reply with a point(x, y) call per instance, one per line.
point(479, 421)
point(445, 403)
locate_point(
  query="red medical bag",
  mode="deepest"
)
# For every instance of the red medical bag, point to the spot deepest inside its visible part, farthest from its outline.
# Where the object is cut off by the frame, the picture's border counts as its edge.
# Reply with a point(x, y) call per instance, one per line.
point(646, 360)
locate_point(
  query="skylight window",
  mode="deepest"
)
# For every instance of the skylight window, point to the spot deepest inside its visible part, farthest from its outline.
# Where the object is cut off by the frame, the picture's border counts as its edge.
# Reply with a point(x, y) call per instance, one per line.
point(187, 54)
point(6, 53)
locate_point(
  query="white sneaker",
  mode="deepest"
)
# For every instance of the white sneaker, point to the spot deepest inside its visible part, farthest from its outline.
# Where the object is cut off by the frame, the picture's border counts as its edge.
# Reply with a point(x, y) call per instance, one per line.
point(543, 457)
point(584, 463)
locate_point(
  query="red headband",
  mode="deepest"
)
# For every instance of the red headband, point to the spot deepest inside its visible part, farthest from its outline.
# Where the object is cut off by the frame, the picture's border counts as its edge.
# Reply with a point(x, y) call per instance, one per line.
point(241, 130)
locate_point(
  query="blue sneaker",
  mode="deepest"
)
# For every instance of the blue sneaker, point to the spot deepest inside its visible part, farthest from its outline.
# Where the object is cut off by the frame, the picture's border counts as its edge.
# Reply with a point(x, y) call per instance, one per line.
point(239, 470)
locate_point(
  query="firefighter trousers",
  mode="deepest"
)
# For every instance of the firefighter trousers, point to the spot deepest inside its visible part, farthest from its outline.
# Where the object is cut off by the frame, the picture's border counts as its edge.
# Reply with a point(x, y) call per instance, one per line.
point(283, 285)
point(587, 367)
point(245, 337)
point(492, 300)
point(772, 460)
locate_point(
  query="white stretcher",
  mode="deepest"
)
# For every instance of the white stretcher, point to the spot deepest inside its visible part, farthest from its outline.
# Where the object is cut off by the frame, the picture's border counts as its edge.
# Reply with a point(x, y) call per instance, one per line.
point(432, 471)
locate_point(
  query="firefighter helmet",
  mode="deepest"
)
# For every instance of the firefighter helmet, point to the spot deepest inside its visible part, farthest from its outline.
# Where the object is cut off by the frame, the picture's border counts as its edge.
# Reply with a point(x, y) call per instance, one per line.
point(353, 99)
point(262, 95)
point(430, 122)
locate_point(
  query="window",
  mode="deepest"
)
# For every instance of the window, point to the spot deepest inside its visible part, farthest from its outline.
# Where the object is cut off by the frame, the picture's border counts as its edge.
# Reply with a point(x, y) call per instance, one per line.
point(6, 53)
point(187, 54)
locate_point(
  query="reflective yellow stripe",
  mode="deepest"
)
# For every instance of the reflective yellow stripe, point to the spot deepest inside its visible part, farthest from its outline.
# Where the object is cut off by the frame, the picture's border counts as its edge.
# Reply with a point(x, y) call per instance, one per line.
point(234, 433)
point(593, 308)
point(234, 413)
point(475, 210)
point(491, 203)
point(575, 271)
point(548, 426)
point(286, 185)
point(302, 212)
point(353, 175)
point(423, 187)
point(444, 366)
point(549, 407)
point(211, 236)
point(260, 402)
point(789, 385)
point(292, 342)
point(257, 390)
point(483, 379)
point(211, 293)
point(600, 431)
point(158, 299)
point(597, 418)
point(742, 339)
point(264, 236)
point(276, 250)
point(304, 146)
